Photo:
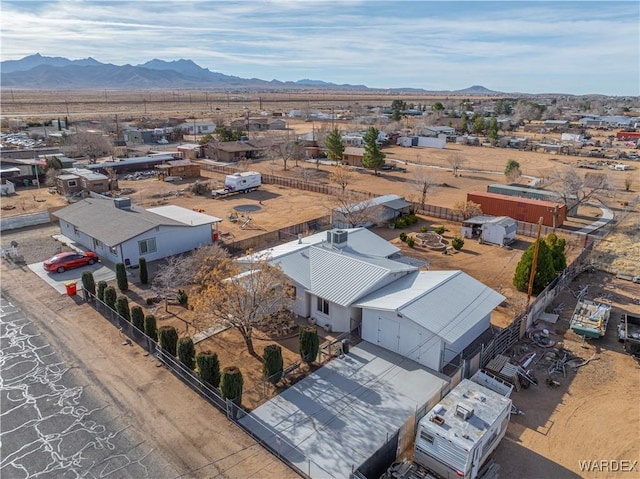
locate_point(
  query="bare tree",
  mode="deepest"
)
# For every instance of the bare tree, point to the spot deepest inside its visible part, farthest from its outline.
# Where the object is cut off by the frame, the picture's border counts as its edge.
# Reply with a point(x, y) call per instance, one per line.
point(425, 181)
point(355, 212)
point(286, 147)
point(456, 161)
point(242, 296)
point(184, 270)
point(572, 187)
point(91, 145)
point(628, 182)
point(341, 176)
point(467, 209)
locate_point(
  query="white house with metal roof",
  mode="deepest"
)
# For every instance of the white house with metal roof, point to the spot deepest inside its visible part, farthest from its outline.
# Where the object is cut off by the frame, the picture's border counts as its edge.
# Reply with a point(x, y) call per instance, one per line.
point(381, 209)
point(122, 233)
point(344, 279)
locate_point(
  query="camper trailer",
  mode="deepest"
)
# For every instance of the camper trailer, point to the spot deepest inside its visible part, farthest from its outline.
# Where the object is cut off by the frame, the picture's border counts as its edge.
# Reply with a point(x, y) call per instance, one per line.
point(239, 183)
point(457, 436)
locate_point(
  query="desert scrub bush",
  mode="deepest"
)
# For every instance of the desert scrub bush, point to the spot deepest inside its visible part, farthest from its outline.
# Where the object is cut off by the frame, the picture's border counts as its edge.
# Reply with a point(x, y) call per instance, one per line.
point(410, 241)
point(182, 297)
point(457, 243)
point(403, 237)
point(439, 230)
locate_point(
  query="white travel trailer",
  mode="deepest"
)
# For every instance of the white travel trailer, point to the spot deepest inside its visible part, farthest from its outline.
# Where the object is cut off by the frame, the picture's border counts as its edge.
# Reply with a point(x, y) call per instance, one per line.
point(457, 436)
point(239, 183)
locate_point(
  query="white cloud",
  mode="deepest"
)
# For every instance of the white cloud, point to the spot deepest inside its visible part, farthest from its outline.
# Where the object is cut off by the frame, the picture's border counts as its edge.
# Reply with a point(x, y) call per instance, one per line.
point(442, 45)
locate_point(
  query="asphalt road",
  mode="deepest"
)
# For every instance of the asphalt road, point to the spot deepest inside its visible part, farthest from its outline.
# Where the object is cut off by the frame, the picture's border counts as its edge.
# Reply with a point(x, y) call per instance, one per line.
point(52, 426)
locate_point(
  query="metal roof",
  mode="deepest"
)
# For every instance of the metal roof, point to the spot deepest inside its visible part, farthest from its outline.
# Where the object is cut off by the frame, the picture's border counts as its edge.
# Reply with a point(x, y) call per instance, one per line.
point(333, 420)
point(395, 202)
point(425, 297)
point(342, 278)
point(101, 220)
point(183, 215)
point(131, 161)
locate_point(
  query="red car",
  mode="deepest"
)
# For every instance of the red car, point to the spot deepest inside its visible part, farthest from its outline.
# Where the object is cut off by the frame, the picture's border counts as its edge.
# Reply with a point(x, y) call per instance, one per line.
point(64, 261)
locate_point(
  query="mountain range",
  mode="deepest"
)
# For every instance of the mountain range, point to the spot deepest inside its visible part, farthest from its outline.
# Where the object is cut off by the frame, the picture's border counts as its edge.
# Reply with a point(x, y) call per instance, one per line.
point(58, 73)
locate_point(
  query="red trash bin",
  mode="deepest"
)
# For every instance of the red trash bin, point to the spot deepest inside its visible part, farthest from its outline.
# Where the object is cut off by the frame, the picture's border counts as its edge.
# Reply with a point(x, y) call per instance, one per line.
point(71, 288)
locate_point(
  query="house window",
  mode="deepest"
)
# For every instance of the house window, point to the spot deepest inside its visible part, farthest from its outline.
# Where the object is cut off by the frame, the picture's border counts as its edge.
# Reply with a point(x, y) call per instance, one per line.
point(427, 437)
point(97, 244)
point(147, 246)
point(114, 250)
point(72, 183)
point(76, 231)
point(323, 306)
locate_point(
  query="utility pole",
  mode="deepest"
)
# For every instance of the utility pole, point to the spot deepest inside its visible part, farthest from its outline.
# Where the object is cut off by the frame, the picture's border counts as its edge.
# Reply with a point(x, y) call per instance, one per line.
point(534, 262)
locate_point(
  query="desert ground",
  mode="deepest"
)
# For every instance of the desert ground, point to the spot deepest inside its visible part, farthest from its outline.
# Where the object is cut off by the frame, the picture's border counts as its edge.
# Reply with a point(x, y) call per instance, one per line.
point(560, 426)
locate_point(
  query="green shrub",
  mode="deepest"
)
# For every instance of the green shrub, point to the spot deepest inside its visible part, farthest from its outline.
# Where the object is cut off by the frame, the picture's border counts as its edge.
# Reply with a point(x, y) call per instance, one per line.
point(457, 243)
point(186, 352)
point(149, 301)
point(102, 285)
point(410, 241)
point(209, 368)
point(439, 230)
point(168, 337)
point(401, 223)
point(88, 282)
point(309, 343)
point(403, 237)
point(122, 307)
point(411, 219)
point(182, 297)
point(110, 296)
point(231, 384)
point(137, 317)
point(144, 272)
point(121, 277)
point(423, 229)
point(150, 328)
point(272, 363)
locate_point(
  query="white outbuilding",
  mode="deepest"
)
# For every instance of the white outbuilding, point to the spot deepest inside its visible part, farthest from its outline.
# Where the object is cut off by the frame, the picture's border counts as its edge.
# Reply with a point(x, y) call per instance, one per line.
point(500, 230)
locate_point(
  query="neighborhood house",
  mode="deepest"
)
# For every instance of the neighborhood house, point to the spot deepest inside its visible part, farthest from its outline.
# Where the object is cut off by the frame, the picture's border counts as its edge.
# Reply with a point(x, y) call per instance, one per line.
point(122, 233)
point(349, 279)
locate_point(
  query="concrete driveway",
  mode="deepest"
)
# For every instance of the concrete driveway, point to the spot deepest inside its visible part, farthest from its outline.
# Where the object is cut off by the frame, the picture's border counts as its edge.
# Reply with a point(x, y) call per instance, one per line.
point(57, 281)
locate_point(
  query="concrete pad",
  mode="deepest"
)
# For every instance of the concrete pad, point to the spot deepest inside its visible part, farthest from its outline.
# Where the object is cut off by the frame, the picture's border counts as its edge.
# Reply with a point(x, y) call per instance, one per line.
point(57, 280)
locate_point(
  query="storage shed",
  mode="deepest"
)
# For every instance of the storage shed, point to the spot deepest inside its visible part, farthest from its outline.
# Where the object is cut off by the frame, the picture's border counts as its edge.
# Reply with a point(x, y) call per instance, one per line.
point(457, 436)
point(520, 209)
point(500, 230)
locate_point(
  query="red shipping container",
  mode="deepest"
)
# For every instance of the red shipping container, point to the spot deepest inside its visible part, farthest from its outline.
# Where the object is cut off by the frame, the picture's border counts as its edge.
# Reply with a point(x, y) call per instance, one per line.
point(521, 209)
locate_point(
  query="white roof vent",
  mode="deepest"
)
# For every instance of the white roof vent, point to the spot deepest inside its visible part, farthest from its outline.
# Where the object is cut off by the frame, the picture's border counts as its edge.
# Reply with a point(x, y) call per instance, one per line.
point(463, 412)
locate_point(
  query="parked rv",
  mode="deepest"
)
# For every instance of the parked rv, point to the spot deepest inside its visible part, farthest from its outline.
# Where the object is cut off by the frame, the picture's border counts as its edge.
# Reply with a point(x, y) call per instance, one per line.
point(456, 437)
point(239, 183)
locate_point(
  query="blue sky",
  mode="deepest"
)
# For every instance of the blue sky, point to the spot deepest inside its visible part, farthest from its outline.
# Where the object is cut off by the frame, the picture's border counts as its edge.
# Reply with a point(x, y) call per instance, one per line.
point(576, 47)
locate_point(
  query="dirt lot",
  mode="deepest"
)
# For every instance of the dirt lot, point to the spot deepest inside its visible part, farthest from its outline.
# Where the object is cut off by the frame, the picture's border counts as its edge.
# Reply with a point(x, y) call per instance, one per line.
point(594, 413)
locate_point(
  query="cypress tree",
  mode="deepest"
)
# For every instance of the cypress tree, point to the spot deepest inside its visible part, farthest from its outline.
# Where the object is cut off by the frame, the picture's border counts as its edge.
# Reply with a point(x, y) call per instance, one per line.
point(137, 317)
point(231, 384)
point(309, 343)
point(168, 337)
point(121, 277)
point(150, 328)
point(209, 368)
point(144, 273)
point(102, 285)
point(88, 282)
point(272, 363)
point(122, 307)
point(110, 296)
point(186, 352)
